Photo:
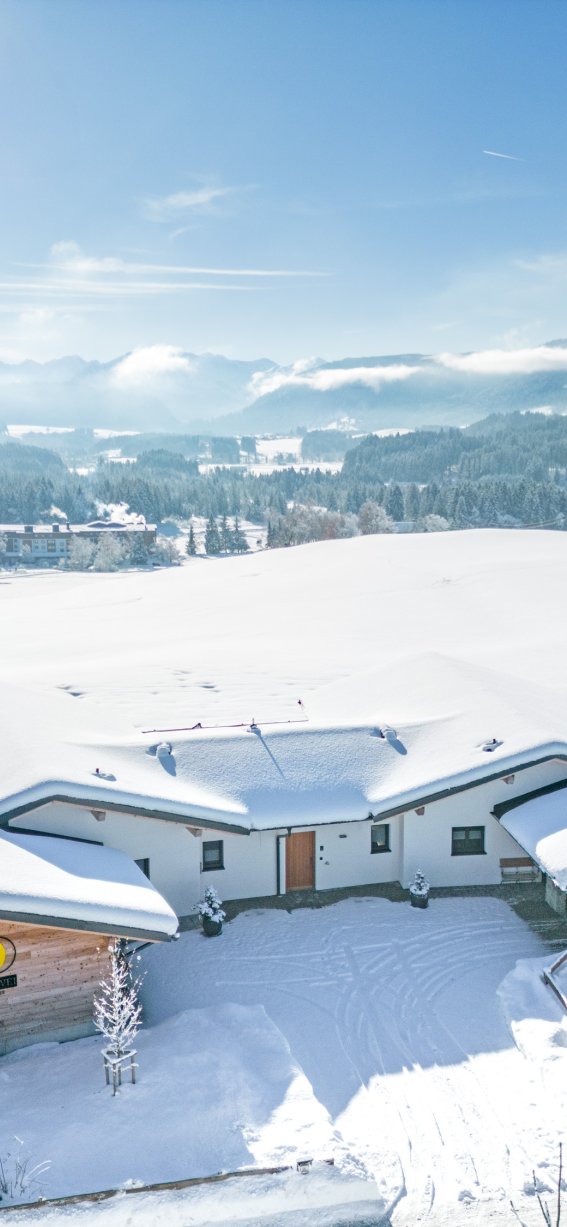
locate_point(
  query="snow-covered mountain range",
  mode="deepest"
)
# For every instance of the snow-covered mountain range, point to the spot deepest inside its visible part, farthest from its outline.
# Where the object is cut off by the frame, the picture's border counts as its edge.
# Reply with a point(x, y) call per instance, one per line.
point(165, 387)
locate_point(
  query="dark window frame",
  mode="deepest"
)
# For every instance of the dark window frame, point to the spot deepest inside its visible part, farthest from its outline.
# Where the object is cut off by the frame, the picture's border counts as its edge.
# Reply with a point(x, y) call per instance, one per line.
point(219, 863)
point(464, 849)
point(380, 826)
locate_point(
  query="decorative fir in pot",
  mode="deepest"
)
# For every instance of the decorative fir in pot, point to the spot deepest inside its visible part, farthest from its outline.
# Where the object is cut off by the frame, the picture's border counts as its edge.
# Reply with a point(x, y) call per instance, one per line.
point(211, 912)
point(419, 890)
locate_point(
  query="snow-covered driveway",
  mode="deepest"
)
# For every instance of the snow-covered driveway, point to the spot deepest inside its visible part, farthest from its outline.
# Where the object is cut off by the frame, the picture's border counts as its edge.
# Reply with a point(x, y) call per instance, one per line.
point(405, 1044)
point(395, 1019)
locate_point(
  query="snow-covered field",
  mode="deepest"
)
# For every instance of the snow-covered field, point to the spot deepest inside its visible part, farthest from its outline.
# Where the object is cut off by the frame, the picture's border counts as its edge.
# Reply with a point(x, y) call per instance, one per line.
point(230, 638)
point(406, 1045)
point(265, 467)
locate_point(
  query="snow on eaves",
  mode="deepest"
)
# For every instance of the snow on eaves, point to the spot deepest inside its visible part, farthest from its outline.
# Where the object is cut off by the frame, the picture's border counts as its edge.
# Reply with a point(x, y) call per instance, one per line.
point(88, 886)
point(540, 826)
point(432, 718)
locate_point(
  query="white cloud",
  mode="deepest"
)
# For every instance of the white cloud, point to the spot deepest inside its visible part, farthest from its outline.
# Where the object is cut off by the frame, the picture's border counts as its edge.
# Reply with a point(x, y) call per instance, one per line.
point(150, 362)
point(327, 380)
point(551, 264)
point(67, 256)
point(509, 157)
point(179, 204)
point(507, 361)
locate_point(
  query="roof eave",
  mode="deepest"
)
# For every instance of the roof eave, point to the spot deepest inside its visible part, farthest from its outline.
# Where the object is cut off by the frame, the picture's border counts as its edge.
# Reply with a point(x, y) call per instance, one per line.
point(86, 926)
point(121, 807)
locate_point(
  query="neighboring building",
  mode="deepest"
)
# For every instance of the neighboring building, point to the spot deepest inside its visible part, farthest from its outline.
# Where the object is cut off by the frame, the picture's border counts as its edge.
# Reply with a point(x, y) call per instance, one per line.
point(49, 543)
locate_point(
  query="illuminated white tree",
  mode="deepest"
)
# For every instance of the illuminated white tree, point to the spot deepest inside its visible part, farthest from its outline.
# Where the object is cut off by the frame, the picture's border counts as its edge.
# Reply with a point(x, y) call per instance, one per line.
point(117, 1010)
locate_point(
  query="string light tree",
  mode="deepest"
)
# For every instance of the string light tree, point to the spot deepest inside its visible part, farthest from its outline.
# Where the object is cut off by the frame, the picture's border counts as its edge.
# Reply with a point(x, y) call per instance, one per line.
point(118, 1015)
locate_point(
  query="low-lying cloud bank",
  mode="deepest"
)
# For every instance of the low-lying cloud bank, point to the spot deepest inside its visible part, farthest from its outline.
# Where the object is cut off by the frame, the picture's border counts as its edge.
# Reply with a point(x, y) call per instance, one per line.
point(150, 362)
point(507, 361)
point(305, 374)
point(327, 379)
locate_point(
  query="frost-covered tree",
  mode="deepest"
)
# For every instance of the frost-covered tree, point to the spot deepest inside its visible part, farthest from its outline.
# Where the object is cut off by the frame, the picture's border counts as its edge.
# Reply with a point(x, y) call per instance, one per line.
point(81, 554)
point(117, 1010)
point(166, 553)
point(434, 524)
point(372, 518)
point(109, 553)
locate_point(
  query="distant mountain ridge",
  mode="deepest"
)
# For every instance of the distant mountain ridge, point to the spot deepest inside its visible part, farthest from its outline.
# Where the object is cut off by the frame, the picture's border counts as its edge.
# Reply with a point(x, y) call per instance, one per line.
point(165, 388)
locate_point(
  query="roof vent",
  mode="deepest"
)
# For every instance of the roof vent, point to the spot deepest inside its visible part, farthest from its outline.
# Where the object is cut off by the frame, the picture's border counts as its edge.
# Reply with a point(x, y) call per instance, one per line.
point(163, 750)
point(490, 746)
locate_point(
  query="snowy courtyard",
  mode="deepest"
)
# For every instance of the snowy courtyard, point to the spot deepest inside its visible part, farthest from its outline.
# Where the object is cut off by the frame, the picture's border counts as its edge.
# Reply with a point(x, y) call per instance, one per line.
point(408, 1046)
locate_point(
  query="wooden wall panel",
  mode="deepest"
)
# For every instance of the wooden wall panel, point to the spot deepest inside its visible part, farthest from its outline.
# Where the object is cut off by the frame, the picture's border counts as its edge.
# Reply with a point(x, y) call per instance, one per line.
point(58, 972)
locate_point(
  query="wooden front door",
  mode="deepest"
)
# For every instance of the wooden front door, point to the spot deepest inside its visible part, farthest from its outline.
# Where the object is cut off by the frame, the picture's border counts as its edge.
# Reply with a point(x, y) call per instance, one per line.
point(300, 861)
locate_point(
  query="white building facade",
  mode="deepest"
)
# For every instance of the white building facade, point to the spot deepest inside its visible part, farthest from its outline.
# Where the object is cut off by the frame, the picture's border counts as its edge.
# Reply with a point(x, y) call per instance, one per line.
point(455, 840)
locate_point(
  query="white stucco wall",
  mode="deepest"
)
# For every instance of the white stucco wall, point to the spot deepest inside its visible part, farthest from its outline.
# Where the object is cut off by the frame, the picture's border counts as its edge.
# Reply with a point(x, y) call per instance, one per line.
point(343, 856)
point(174, 853)
point(427, 838)
point(250, 865)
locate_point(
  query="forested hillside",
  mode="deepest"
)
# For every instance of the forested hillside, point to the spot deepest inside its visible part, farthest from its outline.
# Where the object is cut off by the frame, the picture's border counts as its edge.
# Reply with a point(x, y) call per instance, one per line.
point(503, 472)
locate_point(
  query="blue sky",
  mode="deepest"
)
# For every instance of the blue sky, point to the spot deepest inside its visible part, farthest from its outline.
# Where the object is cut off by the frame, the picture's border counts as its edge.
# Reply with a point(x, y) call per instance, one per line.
point(281, 177)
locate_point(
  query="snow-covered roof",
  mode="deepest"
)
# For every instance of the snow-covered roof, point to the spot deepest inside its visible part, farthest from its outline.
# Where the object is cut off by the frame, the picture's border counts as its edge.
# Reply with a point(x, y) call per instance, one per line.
point(62, 528)
point(540, 826)
point(46, 880)
point(438, 725)
point(438, 637)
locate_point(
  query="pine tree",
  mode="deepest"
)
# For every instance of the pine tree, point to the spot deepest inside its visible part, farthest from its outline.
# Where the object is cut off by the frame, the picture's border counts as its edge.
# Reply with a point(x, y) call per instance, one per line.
point(395, 503)
point(212, 537)
point(191, 543)
point(139, 554)
point(412, 503)
point(225, 537)
point(239, 542)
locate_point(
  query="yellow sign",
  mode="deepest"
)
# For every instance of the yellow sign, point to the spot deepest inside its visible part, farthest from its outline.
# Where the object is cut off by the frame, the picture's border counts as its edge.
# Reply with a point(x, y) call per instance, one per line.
point(7, 954)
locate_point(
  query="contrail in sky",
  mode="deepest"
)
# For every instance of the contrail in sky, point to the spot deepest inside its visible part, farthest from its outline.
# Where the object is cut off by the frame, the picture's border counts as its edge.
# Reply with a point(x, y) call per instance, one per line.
point(509, 157)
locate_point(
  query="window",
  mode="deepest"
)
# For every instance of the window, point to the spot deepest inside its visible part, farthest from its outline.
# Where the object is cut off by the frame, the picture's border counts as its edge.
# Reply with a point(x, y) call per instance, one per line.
point(144, 865)
point(51, 546)
point(467, 841)
point(213, 854)
point(380, 838)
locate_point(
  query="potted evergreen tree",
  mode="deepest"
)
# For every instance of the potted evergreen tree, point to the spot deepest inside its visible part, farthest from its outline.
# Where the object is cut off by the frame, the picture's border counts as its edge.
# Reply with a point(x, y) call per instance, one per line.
point(419, 890)
point(211, 912)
